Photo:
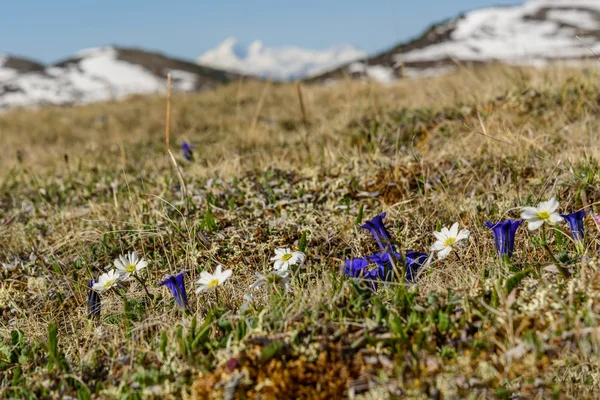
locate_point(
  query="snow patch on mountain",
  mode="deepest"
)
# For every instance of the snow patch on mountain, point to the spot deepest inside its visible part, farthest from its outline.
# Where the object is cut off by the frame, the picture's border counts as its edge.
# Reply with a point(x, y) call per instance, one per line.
point(282, 63)
point(536, 30)
point(96, 74)
point(6, 72)
point(535, 33)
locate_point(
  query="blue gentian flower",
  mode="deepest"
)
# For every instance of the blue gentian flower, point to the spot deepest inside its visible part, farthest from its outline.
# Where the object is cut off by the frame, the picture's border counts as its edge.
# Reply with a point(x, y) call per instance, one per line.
point(362, 268)
point(380, 233)
point(176, 285)
point(384, 262)
point(355, 267)
point(93, 301)
point(413, 263)
point(575, 222)
point(504, 236)
point(187, 150)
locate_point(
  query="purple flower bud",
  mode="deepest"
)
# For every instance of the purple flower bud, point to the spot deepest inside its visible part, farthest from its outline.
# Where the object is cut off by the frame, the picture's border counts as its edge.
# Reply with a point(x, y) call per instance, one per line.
point(504, 235)
point(575, 223)
point(413, 263)
point(176, 285)
point(380, 233)
point(187, 150)
point(93, 301)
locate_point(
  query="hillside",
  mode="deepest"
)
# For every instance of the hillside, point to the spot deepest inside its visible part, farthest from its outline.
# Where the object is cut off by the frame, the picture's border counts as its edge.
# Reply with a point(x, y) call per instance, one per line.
point(534, 33)
point(100, 74)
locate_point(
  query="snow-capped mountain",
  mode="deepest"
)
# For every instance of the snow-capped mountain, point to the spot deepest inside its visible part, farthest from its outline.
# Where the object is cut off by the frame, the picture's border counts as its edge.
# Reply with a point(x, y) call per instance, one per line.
point(282, 63)
point(533, 33)
point(99, 74)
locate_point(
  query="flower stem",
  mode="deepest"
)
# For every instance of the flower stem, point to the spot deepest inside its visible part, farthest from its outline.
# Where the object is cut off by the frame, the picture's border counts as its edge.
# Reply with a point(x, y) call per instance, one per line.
point(565, 272)
point(150, 296)
point(217, 295)
point(460, 260)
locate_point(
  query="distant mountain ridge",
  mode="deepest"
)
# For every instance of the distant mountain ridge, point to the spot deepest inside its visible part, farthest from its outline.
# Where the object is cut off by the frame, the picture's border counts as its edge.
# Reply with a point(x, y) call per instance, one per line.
point(100, 74)
point(534, 33)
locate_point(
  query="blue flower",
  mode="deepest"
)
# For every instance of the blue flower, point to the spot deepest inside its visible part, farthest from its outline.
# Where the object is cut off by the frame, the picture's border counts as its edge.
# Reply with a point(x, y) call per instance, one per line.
point(575, 222)
point(380, 233)
point(362, 268)
point(187, 150)
point(176, 285)
point(93, 301)
point(355, 267)
point(386, 263)
point(504, 235)
point(413, 263)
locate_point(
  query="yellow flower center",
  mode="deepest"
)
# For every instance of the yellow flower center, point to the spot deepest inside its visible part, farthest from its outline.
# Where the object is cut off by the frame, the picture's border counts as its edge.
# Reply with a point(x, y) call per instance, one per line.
point(130, 268)
point(109, 283)
point(286, 257)
point(450, 241)
point(213, 283)
point(543, 215)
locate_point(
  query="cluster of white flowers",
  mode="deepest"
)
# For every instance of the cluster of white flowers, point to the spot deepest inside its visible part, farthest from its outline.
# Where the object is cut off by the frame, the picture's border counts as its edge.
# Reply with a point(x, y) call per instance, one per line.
point(536, 217)
point(131, 264)
point(125, 267)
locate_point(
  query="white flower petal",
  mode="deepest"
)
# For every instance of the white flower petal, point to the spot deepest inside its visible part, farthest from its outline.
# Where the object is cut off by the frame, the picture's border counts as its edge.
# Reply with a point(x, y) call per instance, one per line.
point(281, 251)
point(529, 213)
point(278, 264)
point(98, 287)
point(141, 265)
point(440, 236)
point(444, 253)
point(298, 256)
point(454, 229)
point(552, 205)
point(463, 234)
point(532, 224)
point(437, 246)
point(119, 265)
point(218, 270)
point(201, 289)
point(555, 218)
point(206, 275)
point(225, 275)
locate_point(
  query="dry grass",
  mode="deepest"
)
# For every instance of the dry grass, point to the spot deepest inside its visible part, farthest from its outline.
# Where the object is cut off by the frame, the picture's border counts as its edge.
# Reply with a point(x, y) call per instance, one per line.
point(79, 186)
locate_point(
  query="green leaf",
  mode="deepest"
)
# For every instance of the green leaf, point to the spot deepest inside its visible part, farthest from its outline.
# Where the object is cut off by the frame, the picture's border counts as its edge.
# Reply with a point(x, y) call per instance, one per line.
point(516, 279)
point(359, 217)
point(302, 244)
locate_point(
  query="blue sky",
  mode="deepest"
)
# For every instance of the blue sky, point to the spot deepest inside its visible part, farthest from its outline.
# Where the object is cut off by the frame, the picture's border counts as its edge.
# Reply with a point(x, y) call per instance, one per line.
point(50, 30)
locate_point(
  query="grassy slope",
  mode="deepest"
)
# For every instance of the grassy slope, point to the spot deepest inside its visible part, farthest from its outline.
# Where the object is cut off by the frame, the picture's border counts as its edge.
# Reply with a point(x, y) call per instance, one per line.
point(80, 186)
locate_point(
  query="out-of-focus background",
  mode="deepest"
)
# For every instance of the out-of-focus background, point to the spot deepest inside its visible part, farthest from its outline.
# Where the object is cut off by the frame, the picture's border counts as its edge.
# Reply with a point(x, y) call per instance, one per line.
point(73, 52)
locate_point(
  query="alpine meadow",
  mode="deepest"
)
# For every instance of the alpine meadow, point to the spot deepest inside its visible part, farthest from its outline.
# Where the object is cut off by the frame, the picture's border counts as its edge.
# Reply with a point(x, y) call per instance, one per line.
point(430, 238)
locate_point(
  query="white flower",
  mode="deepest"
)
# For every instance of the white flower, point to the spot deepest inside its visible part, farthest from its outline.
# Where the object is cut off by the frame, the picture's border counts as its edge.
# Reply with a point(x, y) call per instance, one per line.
point(545, 212)
point(281, 277)
point(107, 280)
point(129, 264)
point(447, 239)
point(209, 281)
point(284, 258)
